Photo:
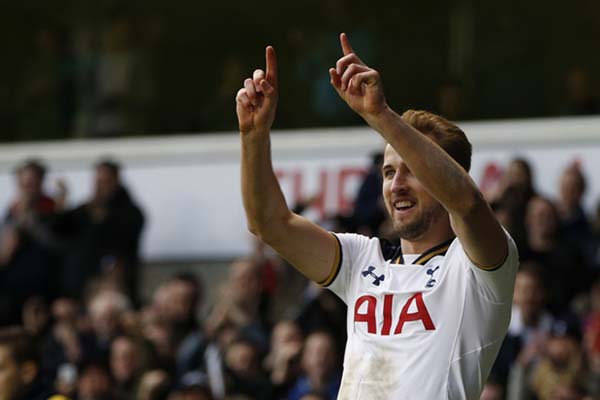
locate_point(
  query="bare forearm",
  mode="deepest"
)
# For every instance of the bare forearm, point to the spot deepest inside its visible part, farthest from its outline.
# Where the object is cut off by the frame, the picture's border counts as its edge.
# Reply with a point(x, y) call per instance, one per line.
point(262, 197)
point(443, 177)
point(471, 218)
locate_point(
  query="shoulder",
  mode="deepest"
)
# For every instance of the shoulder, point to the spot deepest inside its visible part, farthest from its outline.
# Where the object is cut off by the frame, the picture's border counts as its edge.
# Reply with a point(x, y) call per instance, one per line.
point(496, 283)
point(354, 251)
point(457, 252)
point(359, 244)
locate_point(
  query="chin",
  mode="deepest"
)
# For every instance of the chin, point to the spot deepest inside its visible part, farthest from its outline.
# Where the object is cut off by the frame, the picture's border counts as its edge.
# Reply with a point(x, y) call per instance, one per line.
point(411, 231)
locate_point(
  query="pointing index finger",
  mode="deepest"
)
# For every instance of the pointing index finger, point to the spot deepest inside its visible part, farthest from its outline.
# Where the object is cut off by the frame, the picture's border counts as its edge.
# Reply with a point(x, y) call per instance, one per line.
point(346, 47)
point(271, 60)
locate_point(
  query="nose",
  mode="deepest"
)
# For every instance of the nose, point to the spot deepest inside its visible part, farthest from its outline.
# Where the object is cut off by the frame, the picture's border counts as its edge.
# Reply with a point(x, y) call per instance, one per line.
point(399, 183)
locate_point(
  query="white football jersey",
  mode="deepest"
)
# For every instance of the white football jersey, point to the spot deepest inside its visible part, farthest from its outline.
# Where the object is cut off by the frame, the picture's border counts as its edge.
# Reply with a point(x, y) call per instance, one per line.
point(428, 330)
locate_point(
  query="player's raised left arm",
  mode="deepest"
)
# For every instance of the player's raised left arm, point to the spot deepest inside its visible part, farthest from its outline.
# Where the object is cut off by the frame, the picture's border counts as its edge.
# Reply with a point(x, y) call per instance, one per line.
point(473, 222)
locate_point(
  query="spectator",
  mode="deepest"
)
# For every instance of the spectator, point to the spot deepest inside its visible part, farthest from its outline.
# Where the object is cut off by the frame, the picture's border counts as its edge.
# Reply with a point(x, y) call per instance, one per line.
point(562, 363)
point(529, 316)
point(240, 302)
point(323, 311)
point(369, 211)
point(157, 330)
point(103, 235)
point(575, 228)
point(319, 366)
point(283, 361)
point(27, 247)
point(107, 310)
point(244, 374)
point(565, 271)
point(94, 383)
point(37, 323)
point(36, 317)
point(127, 363)
point(215, 355)
point(19, 358)
point(530, 323)
point(570, 210)
point(178, 301)
point(63, 344)
point(513, 193)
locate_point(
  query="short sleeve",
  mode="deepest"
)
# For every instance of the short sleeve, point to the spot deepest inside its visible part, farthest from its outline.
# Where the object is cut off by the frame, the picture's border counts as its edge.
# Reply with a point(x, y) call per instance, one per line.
point(496, 285)
point(352, 248)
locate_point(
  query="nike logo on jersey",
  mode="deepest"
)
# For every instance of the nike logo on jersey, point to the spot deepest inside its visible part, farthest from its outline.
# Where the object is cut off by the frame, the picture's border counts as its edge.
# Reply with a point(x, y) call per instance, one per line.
point(377, 279)
point(368, 314)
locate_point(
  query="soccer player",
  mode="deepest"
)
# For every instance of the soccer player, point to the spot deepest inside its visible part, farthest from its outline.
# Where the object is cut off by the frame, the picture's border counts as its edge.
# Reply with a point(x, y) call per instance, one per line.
point(426, 318)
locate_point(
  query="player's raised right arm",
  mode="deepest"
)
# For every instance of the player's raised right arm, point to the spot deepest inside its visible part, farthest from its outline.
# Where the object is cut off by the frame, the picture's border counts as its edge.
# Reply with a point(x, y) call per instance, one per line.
point(308, 247)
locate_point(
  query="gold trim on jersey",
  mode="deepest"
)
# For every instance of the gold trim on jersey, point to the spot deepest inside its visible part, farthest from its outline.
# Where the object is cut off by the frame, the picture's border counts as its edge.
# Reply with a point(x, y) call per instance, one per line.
point(438, 250)
point(493, 267)
point(337, 263)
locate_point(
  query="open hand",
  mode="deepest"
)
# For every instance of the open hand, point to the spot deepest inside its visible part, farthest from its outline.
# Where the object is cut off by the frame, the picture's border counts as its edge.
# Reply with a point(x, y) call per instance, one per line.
point(356, 83)
point(256, 102)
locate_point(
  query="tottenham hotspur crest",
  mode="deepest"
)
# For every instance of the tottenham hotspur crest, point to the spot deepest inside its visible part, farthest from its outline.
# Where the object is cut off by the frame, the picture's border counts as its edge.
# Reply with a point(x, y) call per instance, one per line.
point(430, 271)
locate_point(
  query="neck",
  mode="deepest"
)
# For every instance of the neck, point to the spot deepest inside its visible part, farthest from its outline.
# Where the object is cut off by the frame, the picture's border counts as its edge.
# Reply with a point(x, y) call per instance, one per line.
point(439, 233)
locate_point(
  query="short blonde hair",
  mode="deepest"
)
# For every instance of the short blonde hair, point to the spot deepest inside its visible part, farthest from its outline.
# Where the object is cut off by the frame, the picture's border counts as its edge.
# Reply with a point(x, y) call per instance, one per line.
point(446, 134)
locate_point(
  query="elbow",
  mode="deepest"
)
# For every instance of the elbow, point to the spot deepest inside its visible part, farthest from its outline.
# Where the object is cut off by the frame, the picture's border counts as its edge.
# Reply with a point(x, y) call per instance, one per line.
point(255, 221)
point(264, 235)
point(252, 229)
point(267, 231)
point(256, 228)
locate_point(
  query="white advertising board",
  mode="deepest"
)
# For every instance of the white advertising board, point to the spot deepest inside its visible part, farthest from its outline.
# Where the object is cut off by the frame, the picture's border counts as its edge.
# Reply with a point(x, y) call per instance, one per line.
point(189, 185)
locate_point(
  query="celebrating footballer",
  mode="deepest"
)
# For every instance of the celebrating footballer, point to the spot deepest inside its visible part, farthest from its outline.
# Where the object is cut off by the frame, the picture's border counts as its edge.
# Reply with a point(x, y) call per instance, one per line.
point(426, 318)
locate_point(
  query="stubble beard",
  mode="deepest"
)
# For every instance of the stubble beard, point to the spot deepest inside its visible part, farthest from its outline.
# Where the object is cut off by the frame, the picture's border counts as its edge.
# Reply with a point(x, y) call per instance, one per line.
point(416, 229)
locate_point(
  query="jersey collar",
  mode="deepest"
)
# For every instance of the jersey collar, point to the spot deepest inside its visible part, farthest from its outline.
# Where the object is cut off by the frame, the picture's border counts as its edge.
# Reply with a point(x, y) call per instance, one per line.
point(427, 255)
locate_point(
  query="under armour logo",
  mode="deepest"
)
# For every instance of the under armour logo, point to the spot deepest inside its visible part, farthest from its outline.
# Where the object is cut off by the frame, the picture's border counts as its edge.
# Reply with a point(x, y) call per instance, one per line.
point(369, 271)
point(431, 282)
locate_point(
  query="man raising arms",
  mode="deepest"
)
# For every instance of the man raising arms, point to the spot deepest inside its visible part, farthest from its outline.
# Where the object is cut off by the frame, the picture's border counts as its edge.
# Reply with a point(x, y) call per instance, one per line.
point(426, 318)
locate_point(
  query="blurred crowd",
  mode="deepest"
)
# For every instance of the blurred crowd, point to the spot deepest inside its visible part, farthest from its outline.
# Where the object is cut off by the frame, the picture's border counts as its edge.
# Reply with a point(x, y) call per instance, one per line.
point(74, 325)
point(551, 351)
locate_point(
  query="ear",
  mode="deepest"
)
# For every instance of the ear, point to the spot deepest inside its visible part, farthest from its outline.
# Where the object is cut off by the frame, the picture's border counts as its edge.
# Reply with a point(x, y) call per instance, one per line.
point(29, 371)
